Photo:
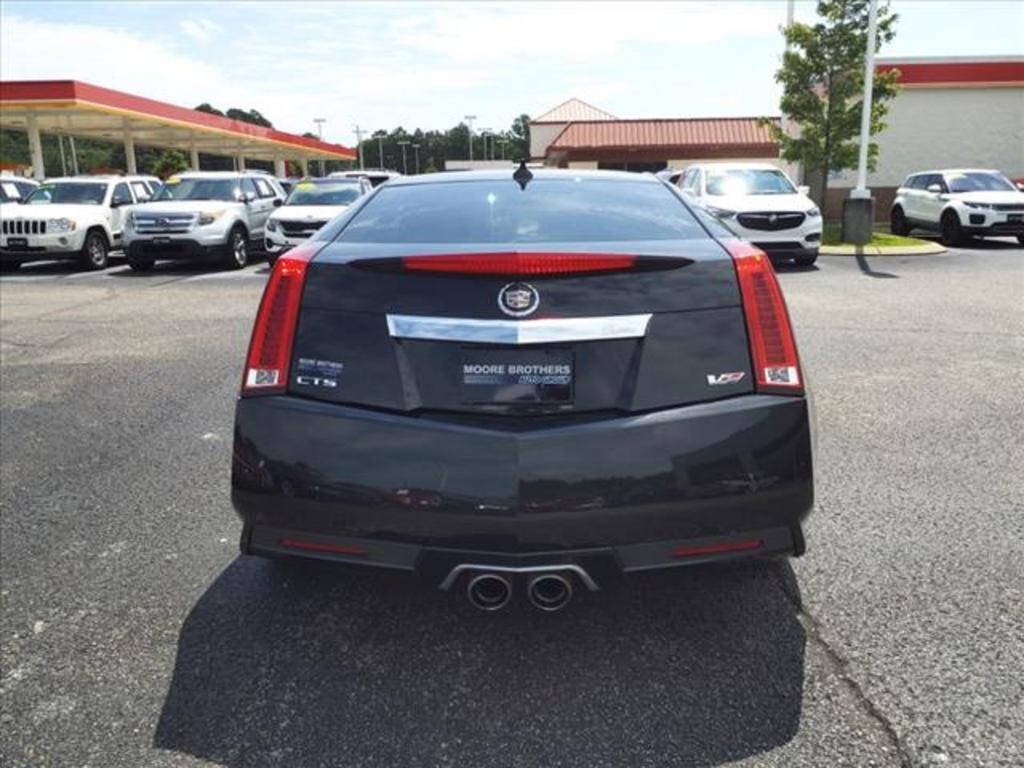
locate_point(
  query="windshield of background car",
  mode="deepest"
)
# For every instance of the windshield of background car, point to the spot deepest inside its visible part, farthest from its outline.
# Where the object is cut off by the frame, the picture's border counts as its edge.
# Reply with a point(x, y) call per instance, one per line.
point(547, 211)
point(978, 182)
point(72, 193)
point(9, 192)
point(324, 193)
point(740, 181)
point(199, 189)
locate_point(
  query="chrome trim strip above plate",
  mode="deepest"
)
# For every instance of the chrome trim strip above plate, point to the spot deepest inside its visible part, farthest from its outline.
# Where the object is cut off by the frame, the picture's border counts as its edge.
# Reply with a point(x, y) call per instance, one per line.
point(544, 331)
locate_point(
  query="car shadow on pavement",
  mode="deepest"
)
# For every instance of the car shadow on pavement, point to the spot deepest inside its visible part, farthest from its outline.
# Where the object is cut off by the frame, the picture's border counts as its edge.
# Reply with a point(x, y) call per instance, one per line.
point(284, 663)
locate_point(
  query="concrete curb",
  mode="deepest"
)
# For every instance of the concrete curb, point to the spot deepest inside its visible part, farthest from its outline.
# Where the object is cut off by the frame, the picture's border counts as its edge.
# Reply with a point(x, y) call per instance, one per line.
point(927, 249)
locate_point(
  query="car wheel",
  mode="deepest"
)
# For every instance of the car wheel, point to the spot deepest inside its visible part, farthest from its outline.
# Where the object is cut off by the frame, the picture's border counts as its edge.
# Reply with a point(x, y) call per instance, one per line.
point(237, 255)
point(952, 233)
point(271, 259)
point(1020, 239)
point(805, 261)
point(94, 250)
point(898, 222)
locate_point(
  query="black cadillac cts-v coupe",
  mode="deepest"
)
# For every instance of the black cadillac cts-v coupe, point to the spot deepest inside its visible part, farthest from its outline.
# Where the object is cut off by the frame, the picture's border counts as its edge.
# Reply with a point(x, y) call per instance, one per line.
point(526, 383)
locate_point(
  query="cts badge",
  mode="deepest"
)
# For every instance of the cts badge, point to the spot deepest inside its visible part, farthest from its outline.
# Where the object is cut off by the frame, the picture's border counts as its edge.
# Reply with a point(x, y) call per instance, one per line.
point(718, 379)
point(518, 299)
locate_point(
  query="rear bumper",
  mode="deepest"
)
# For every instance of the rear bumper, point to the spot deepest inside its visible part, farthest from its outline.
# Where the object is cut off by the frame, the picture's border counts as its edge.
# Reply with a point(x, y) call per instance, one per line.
point(787, 250)
point(416, 493)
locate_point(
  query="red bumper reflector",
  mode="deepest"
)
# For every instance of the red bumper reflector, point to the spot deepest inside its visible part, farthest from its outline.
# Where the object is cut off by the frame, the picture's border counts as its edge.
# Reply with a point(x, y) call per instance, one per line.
point(516, 263)
point(717, 549)
point(319, 546)
point(772, 345)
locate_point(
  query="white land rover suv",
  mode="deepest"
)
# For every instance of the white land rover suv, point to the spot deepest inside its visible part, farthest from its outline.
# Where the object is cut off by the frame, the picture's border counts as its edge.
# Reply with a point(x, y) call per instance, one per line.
point(759, 203)
point(310, 205)
point(204, 216)
point(957, 204)
point(77, 217)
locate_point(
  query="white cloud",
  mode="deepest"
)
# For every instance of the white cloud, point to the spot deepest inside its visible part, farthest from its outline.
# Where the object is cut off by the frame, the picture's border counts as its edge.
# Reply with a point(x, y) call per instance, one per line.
point(199, 29)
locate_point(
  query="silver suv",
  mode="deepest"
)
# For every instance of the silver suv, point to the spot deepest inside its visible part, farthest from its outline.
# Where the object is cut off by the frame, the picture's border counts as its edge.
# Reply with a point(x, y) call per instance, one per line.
point(212, 216)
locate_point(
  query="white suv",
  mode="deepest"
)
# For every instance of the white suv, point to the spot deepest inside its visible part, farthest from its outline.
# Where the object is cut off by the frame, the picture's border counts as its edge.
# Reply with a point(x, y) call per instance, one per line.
point(310, 205)
point(959, 203)
point(77, 217)
point(759, 203)
point(203, 215)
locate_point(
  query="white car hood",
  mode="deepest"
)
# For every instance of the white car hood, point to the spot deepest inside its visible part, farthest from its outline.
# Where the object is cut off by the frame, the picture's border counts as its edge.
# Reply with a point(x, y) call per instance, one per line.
point(184, 206)
point(54, 211)
point(307, 212)
point(776, 203)
point(990, 197)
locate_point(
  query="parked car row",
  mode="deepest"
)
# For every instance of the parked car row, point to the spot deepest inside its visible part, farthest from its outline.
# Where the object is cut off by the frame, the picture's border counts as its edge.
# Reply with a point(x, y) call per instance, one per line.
point(959, 203)
point(759, 203)
point(215, 217)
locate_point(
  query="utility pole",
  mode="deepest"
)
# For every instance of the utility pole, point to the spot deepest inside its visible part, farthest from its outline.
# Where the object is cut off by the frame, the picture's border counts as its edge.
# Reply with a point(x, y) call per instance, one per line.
point(403, 145)
point(320, 132)
point(469, 122)
point(859, 207)
point(416, 149)
point(484, 133)
point(503, 142)
point(359, 143)
point(380, 150)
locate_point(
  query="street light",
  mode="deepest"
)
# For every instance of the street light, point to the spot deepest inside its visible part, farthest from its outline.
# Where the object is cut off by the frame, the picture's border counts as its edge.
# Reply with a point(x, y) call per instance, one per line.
point(359, 143)
point(320, 133)
point(380, 148)
point(503, 142)
point(484, 133)
point(469, 122)
point(403, 145)
point(859, 207)
point(416, 149)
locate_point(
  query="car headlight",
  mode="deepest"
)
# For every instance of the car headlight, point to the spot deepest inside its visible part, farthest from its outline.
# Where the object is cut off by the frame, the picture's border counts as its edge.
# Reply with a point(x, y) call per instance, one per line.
point(271, 225)
point(982, 206)
point(60, 225)
point(813, 213)
point(209, 218)
point(722, 213)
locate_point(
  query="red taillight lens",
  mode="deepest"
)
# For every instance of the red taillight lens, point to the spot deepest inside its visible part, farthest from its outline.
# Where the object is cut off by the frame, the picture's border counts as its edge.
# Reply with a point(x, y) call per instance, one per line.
point(772, 346)
point(319, 546)
point(718, 549)
point(515, 263)
point(270, 350)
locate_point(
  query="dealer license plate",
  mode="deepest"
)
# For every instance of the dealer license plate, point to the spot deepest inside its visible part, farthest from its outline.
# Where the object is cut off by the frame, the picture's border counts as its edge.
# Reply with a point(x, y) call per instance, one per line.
point(513, 376)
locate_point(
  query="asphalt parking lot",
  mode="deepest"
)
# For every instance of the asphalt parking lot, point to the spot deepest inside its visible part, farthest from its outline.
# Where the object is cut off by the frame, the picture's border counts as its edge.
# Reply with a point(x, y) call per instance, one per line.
point(134, 635)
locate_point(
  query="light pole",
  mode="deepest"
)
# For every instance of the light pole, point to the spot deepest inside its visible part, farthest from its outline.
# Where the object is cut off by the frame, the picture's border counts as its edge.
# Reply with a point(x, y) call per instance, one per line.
point(484, 133)
point(416, 149)
point(380, 149)
point(320, 133)
point(403, 145)
point(359, 143)
point(469, 122)
point(503, 142)
point(859, 207)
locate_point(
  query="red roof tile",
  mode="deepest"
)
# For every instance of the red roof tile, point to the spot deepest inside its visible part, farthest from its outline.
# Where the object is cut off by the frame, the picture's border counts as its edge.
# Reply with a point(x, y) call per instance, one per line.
point(702, 132)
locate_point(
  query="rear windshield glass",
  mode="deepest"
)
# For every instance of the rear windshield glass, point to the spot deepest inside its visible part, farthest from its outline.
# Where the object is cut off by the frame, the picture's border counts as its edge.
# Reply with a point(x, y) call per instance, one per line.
point(575, 209)
point(978, 182)
point(72, 193)
point(324, 193)
point(199, 189)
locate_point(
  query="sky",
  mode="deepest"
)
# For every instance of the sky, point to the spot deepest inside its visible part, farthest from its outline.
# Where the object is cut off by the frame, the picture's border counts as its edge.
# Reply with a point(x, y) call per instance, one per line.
point(427, 65)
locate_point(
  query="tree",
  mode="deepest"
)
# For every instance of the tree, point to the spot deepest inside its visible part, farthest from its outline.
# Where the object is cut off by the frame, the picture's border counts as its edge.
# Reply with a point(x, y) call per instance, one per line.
point(169, 162)
point(822, 77)
point(205, 107)
point(520, 138)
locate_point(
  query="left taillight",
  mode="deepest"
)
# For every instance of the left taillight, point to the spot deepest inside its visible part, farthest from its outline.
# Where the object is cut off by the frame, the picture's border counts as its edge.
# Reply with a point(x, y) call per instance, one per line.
point(270, 349)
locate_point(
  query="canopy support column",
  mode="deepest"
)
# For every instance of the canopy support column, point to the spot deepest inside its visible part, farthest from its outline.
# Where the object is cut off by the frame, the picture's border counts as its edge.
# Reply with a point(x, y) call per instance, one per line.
point(129, 152)
point(304, 164)
point(74, 155)
point(240, 161)
point(194, 157)
point(35, 147)
point(279, 169)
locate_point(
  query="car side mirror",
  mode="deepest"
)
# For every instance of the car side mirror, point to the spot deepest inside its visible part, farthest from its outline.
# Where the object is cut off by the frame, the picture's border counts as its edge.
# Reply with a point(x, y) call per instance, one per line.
point(118, 203)
point(278, 202)
point(1020, 186)
point(248, 197)
point(934, 188)
point(804, 190)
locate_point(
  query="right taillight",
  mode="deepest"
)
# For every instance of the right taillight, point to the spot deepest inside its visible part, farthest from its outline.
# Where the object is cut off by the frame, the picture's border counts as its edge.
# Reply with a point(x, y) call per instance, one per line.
point(772, 345)
point(270, 350)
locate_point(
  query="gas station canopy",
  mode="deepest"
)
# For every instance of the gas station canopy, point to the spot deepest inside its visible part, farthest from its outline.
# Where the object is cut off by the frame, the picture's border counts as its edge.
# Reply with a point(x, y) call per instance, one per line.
point(76, 109)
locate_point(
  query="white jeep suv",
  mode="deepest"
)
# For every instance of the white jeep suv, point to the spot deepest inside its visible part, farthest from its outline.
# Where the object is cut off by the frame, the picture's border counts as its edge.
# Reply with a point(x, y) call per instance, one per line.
point(759, 203)
point(77, 217)
point(310, 205)
point(957, 204)
point(203, 216)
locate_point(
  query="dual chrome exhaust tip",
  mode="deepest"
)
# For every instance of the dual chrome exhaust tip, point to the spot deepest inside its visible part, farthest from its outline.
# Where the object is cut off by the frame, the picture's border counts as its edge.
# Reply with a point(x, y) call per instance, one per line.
point(492, 591)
